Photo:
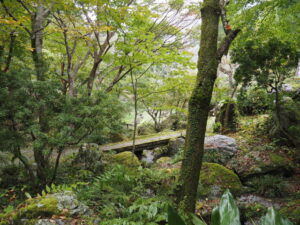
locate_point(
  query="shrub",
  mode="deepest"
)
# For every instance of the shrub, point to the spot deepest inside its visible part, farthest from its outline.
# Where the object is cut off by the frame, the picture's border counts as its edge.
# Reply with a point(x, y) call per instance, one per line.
point(253, 101)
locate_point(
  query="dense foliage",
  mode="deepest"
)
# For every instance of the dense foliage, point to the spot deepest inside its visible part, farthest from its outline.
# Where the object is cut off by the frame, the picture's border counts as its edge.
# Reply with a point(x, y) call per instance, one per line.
point(97, 118)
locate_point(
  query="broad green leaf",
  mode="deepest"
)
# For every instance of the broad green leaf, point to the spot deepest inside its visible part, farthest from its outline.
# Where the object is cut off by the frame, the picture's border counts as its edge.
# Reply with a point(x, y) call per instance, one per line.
point(227, 213)
point(174, 218)
point(196, 220)
point(28, 195)
point(48, 189)
point(274, 218)
point(215, 216)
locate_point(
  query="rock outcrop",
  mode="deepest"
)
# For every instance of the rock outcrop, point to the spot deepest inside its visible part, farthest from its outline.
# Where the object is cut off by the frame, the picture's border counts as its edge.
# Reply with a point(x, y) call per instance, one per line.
point(58, 208)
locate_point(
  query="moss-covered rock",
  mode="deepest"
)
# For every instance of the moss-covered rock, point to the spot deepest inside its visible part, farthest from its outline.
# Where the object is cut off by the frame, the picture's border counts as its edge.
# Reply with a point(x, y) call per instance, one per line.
point(292, 211)
point(127, 159)
point(215, 179)
point(37, 207)
point(64, 204)
point(260, 162)
point(163, 160)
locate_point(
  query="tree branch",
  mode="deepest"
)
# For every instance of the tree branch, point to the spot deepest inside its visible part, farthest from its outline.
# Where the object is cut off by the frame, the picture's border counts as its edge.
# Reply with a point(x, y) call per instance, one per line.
point(224, 47)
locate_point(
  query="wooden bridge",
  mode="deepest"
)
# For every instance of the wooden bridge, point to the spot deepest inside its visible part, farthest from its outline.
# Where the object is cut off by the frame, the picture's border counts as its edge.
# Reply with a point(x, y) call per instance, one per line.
point(143, 143)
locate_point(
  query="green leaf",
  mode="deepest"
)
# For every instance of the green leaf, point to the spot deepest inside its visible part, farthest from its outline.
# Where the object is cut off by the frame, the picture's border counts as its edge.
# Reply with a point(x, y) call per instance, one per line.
point(9, 209)
point(174, 218)
point(196, 220)
point(215, 216)
point(27, 195)
point(227, 213)
point(48, 189)
point(274, 218)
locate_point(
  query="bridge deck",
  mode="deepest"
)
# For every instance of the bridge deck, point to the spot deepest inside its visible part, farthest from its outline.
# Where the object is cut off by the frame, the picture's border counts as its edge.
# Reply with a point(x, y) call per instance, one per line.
point(143, 143)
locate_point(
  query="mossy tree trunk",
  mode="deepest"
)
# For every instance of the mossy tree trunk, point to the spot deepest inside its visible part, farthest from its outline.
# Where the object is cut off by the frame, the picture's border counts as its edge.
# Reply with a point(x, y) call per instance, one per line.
point(208, 60)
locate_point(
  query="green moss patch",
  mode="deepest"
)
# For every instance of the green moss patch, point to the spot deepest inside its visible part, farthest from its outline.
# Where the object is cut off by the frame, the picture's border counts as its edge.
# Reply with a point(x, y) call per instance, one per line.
point(35, 208)
point(127, 159)
point(215, 179)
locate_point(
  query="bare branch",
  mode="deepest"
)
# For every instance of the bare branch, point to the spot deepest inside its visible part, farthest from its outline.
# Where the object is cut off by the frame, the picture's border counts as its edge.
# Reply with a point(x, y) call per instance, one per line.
point(24, 6)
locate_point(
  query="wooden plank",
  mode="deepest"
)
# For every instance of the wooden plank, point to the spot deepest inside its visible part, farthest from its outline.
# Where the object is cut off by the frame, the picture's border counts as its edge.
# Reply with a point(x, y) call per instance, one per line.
point(142, 144)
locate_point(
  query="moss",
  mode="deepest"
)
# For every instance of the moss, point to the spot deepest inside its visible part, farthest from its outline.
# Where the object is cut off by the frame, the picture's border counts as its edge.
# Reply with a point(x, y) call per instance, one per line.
point(163, 160)
point(216, 178)
point(35, 208)
point(292, 211)
point(277, 159)
point(127, 159)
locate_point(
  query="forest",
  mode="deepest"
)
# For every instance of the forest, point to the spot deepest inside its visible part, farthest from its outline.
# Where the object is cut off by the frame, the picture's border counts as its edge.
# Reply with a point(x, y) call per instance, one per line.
point(149, 112)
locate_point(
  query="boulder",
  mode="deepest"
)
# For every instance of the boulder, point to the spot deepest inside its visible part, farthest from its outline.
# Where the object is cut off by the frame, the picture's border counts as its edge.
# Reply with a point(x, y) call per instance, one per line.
point(256, 163)
point(215, 179)
point(127, 159)
point(219, 148)
point(163, 162)
point(40, 209)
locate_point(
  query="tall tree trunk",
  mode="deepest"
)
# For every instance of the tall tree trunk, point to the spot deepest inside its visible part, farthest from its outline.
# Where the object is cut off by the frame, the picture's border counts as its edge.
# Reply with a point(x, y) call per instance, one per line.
point(38, 19)
point(208, 60)
point(199, 105)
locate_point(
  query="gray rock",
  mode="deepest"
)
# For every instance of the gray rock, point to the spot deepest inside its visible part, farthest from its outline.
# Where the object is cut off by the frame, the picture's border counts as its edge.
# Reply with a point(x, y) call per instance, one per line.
point(50, 222)
point(67, 200)
point(219, 148)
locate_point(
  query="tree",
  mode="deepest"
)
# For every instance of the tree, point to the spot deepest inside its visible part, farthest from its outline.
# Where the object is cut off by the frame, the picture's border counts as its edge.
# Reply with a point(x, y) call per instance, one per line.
point(208, 60)
point(269, 63)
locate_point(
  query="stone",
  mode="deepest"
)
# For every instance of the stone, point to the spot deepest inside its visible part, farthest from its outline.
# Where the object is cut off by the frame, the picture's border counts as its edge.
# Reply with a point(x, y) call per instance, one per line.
point(219, 149)
point(68, 201)
point(215, 179)
point(163, 162)
point(127, 159)
point(255, 163)
point(38, 210)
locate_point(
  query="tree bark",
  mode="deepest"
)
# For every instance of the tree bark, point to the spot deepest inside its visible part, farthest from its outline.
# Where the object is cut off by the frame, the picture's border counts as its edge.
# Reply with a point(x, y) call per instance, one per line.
point(10, 51)
point(37, 29)
point(208, 60)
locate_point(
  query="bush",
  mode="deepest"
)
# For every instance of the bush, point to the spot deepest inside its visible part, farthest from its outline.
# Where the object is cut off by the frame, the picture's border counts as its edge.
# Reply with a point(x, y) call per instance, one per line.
point(253, 101)
point(37, 115)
